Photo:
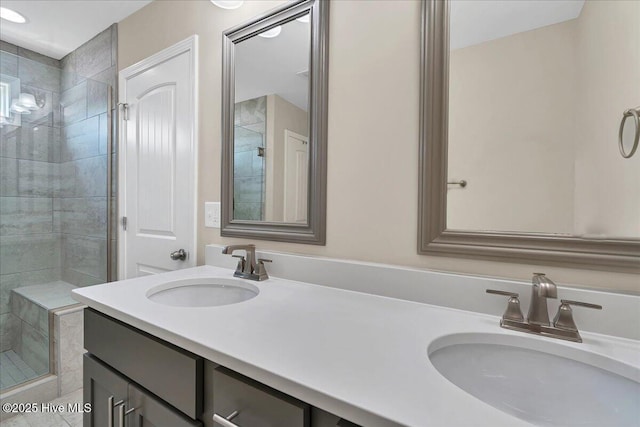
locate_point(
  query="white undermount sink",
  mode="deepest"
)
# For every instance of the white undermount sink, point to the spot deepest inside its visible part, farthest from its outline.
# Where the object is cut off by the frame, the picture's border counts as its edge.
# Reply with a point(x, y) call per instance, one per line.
point(203, 292)
point(540, 381)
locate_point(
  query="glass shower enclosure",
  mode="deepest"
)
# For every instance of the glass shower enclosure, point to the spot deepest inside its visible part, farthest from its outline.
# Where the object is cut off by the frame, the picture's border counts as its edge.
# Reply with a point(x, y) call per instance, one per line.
point(55, 200)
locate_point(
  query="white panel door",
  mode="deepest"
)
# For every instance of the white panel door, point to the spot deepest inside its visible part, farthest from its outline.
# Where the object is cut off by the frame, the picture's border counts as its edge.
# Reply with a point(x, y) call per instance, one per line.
point(296, 177)
point(158, 158)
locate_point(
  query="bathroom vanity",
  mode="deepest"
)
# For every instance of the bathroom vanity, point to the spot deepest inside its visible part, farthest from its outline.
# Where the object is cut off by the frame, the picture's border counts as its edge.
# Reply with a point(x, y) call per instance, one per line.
point(342, 353)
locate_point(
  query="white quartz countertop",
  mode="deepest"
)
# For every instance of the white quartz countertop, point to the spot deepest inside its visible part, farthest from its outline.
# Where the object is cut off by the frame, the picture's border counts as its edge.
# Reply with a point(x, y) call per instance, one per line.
point(360, 356)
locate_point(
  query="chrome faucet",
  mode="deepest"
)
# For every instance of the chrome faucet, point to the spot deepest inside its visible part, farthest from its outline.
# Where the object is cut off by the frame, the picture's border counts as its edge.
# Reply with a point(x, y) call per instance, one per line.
point(542, 289)
point(538, 318)
point(248, 268)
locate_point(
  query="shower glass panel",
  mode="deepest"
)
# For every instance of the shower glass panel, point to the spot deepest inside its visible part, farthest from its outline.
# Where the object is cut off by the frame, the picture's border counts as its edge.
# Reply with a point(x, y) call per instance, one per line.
point(54, 157)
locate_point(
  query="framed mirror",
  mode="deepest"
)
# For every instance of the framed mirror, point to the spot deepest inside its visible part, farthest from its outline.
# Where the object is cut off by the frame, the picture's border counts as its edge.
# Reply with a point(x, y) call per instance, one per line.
point(520, 107)
point(274, 125)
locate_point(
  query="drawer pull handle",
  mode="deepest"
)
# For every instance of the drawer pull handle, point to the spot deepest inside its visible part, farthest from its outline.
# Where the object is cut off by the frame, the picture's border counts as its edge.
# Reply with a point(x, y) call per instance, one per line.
point(226, 422)
point(122, 414)
point(110, 409)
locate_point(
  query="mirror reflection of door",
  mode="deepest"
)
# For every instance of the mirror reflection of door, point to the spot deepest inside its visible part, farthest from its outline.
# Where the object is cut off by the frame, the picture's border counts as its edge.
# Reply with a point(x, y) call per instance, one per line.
point(270, 179)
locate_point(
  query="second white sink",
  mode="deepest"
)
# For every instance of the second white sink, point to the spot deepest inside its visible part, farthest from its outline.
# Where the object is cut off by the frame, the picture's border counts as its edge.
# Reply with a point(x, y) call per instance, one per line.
point(541, 382)
point(205, 292)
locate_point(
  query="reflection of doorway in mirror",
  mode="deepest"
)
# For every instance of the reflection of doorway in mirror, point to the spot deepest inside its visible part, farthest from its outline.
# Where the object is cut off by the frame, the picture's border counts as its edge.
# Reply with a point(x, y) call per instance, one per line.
point(282, 116)
point(296, 180)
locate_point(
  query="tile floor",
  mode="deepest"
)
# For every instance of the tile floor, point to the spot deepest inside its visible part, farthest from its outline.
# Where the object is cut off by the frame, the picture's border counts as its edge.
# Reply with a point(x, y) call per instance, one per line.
point(14, 370)
point(50, 419)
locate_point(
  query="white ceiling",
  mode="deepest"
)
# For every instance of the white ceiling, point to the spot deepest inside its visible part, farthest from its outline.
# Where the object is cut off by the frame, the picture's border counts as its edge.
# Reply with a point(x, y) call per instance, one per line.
point(271, 66)
point(477, 21)
point(57, 27)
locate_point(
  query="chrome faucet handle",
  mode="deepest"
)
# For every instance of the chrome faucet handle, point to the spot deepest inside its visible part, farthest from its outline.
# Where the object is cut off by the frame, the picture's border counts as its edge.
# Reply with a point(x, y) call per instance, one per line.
point(261, 271)
point(241, 261)
point(564, 317)
point(513, 311)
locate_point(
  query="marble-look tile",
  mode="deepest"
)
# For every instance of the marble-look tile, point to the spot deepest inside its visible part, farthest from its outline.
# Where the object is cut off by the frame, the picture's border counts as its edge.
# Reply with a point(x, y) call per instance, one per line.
point(242, 161)
point(34, 349)
point(8, 47)
point(9, 141)
point(70, 381)
point(250, 111)
point(37, 277)
point(41, 390)
point(64, 184)
point(8, 176)
point(91, 177)
point(35, 179)
point(9, 331)
point(73, 103)
point(25, 215)
point(70, 344)
point(246, 140)
point(57, 110)
point(83, 178)
point(45, 419)
point(35, 56)
point(248, 189)
point(8, 64)
point(14, 421)
point(80, 279)
point(29, 142)
point(29, 312)
point(247, 211)
point(108, 77)
point(68, 75)
point(7, 283)
point(74, 419)
point(85, 255)
point(48, 295)
point(81, 140)
point(29, 252)
point(95, 55)
point(33, 73)
point(97, 98)
point(84, 216)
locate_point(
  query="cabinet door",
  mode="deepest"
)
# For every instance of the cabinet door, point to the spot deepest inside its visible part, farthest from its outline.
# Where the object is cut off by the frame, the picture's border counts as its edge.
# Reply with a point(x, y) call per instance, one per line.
point(105, 390)
point(145, 410)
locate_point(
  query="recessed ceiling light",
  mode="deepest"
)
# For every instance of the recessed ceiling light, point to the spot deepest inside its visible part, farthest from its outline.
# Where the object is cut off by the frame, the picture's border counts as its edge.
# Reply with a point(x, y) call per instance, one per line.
point(12, 16)
point(228, 4)
point(269, 34)
point(303, 18)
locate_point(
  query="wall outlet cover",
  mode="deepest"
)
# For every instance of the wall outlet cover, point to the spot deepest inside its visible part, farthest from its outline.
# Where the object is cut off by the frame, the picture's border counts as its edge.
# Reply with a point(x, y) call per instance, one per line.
point(212, 214)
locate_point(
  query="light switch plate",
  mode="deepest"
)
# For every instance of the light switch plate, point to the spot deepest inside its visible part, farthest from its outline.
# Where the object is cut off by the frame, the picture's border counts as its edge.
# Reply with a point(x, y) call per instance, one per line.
point(212, 214)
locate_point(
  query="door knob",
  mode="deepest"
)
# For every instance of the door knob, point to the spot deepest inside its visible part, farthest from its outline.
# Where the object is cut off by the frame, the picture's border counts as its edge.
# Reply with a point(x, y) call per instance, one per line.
point(180, 254)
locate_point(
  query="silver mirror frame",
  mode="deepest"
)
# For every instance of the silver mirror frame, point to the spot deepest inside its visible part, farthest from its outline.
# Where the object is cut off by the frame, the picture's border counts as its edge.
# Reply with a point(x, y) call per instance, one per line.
point(433, 236)
point(314, 232)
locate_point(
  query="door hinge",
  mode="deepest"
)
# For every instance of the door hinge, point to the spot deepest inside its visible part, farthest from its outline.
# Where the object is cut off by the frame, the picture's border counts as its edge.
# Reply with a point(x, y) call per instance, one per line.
point(125, 111)
point(124, 223)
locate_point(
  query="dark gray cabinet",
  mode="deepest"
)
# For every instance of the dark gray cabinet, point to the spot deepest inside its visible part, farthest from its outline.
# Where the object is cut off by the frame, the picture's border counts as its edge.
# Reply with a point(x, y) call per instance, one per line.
point(117, 402)
point(133, 379)
point(103, 388)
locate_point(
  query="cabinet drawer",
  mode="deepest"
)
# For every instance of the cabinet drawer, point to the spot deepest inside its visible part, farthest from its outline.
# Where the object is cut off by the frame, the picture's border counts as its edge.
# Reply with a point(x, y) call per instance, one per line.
point(173, 374)
point(257, 405)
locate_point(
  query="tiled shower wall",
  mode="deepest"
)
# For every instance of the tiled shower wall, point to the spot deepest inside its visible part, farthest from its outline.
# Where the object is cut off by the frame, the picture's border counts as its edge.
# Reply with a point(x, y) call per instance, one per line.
point(29, 156)
point(248, 167)
point(81, 198)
